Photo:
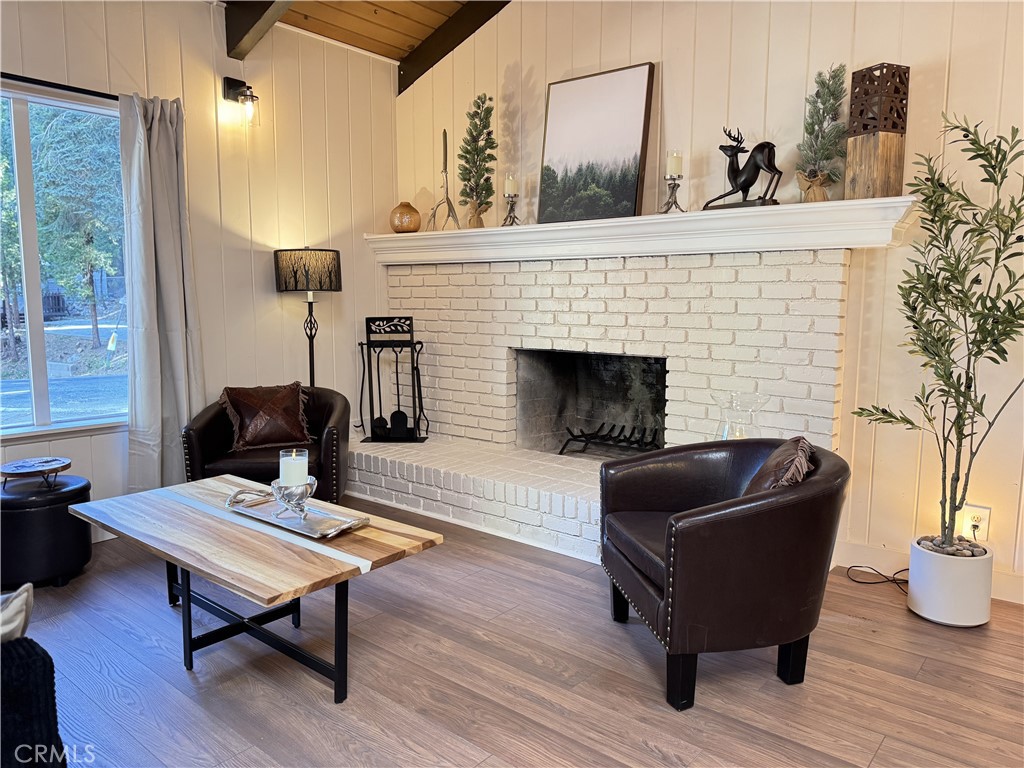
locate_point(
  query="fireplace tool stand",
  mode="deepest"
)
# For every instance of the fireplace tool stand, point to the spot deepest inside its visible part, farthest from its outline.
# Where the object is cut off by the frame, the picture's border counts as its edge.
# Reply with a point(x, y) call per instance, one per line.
point(394, 334)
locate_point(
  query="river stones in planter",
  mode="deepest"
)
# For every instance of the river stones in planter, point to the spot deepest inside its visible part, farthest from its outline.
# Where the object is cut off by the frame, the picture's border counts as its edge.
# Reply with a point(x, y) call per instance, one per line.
point(963, 547)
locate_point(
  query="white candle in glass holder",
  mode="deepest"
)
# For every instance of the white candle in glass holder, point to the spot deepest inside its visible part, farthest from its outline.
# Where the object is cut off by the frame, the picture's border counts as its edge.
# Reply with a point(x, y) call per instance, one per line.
point(294, 468)
point(511, 184)
point(674, 163)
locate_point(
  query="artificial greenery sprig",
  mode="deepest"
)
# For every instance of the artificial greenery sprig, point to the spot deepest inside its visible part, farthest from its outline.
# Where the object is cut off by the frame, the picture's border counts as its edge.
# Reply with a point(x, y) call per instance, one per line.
point(963, 301)
point(476, 154)
point(824, 136)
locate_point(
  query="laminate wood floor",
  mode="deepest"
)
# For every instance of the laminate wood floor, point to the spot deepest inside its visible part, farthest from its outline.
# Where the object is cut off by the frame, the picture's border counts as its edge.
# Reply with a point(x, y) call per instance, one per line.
point(486, 652)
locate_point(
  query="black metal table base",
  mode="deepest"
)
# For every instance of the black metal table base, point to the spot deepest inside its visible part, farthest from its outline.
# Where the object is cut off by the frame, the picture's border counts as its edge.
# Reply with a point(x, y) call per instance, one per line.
point(179, 587)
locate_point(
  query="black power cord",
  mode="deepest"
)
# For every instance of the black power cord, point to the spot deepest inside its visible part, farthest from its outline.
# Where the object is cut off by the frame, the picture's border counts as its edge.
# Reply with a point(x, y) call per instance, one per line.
point(894, 579)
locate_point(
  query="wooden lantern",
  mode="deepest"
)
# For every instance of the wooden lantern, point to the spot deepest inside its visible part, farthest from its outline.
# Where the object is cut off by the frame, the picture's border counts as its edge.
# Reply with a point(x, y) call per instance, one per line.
point(877, 131)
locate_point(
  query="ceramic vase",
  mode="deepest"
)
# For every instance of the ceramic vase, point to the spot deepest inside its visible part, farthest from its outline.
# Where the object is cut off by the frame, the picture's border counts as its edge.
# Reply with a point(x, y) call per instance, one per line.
point(405, 218)
point(956, 591)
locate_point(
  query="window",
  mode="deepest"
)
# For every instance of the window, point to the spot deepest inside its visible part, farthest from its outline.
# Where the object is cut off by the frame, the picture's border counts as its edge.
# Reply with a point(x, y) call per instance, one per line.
point(62, 289)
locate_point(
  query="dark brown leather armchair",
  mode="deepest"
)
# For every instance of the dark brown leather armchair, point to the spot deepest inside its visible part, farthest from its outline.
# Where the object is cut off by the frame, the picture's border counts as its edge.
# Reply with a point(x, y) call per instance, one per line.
point(208, 438)
point(709, 569)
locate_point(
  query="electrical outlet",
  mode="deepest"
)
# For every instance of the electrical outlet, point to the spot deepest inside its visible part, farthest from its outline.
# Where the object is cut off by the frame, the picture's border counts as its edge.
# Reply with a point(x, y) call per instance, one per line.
point(972, 515)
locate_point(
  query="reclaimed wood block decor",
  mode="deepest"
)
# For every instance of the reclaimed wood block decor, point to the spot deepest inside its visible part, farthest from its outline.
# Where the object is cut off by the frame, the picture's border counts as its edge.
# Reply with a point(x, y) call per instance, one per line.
point(877, 131)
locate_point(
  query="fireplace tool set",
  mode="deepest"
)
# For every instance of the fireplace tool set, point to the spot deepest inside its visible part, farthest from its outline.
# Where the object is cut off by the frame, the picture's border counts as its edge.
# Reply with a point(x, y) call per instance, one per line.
point(394, 334)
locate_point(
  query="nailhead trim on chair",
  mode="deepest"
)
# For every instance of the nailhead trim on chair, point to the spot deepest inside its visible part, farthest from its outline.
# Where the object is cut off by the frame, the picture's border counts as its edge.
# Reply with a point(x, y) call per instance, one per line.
point(188, 462)
point(333, 441)
point(635, 609)
point(671, 567)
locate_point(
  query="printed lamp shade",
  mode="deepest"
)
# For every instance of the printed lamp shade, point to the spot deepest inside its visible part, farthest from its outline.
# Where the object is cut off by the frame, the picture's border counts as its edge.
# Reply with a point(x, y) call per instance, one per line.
point(307, 269)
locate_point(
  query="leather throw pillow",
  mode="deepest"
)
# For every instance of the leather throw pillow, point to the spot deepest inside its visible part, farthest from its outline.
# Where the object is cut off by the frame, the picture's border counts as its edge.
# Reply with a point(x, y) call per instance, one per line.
point(786, 466)
point(264, 417)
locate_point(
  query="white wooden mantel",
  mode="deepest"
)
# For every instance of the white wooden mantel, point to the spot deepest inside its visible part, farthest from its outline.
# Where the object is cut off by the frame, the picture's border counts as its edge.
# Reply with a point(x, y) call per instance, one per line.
point(847, 224)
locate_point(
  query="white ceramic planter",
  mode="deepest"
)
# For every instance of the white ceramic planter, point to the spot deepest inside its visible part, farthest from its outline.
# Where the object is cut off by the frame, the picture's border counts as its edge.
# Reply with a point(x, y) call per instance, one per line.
point(956, 591)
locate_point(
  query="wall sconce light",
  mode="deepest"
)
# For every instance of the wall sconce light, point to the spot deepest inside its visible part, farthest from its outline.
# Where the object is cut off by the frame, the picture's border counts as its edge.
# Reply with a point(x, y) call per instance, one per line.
point(240, 91)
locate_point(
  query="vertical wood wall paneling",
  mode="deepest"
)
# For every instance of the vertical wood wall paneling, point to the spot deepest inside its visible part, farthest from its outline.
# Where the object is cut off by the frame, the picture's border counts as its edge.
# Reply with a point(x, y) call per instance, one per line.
point(616, 34)
point(344, 319)
point(463, 74)
point(677, 74)
point(163, 52)
point(237, 265)
point(43, 41)
point(264, 228)
point(534, 101)
point(787, 87)
point(86, 40)
point(10, 37)
point(644, 46)
point(446, 118)
point(428, 173)
point(405, 149)
point(712, 84)
point(312, 87)
point(485, 50)
point(509, 110)
point(751, 25)
point(201, 96)
point(290, 190)
point(126, 48)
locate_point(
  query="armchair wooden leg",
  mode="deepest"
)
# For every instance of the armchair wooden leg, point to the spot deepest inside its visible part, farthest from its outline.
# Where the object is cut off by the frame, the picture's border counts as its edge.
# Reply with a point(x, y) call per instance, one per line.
point(792, 661)
point(682, 679)
point(620, 606)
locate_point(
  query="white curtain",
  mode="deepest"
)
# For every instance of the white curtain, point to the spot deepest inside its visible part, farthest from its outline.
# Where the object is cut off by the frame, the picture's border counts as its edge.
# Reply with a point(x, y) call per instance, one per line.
point(165, 357)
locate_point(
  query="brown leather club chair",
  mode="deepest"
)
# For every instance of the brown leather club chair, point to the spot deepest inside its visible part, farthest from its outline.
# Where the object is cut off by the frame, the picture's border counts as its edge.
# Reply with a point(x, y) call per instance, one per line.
point(208, 438)
point(709, 569)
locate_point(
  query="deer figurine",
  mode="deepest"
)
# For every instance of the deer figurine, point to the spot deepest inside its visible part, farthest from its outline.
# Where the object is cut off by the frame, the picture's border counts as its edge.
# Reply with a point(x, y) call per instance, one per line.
point(762, 158)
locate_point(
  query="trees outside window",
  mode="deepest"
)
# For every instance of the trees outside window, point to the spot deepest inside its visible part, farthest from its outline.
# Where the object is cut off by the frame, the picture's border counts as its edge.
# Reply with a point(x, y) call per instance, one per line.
point(70, 334)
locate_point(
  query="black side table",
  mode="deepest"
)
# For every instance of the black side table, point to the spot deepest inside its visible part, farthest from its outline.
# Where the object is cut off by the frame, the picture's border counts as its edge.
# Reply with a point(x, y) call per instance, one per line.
point(40, 541)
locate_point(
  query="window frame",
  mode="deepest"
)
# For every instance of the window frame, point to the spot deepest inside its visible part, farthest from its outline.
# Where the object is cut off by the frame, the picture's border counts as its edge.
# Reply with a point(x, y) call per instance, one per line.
point(21, 95)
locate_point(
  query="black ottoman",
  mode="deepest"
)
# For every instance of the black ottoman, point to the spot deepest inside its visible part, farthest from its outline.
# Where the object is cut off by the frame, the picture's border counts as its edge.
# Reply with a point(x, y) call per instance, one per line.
point(40, 541)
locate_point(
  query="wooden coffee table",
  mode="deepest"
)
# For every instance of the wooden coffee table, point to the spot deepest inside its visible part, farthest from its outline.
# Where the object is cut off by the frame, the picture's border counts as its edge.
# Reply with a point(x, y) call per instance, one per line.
point(188, 526)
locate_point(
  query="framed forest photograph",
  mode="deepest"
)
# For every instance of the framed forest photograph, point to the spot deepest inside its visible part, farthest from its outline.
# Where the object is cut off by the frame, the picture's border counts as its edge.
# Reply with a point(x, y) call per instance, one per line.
point(595, 145)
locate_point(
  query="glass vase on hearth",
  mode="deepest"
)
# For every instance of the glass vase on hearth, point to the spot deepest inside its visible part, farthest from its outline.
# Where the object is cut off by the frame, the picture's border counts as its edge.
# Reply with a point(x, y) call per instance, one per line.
point(739, 410)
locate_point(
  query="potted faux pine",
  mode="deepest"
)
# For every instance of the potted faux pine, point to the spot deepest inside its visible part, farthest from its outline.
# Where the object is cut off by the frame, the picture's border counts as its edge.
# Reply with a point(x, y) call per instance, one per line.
point(476, 154)
point(824, 141)
point(963, 302)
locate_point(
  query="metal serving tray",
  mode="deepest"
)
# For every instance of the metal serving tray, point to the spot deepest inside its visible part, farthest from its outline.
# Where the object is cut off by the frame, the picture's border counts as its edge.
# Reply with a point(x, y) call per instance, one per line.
point(318, 523)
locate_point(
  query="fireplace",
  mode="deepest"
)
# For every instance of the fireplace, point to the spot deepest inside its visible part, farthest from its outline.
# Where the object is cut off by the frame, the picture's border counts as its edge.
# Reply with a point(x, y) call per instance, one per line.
point(619, 398)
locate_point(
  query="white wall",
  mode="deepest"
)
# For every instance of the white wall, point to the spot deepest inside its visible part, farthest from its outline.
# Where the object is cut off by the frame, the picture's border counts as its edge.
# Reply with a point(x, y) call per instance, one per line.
point(319, 171)
point(751, 64)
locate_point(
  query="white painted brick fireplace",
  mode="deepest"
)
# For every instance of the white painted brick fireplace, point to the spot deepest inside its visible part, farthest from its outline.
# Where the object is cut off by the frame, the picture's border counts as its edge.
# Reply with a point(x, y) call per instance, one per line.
point(728, 319)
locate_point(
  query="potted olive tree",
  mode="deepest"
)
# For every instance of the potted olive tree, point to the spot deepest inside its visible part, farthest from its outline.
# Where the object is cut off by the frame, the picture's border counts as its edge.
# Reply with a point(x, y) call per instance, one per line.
point(963, 301)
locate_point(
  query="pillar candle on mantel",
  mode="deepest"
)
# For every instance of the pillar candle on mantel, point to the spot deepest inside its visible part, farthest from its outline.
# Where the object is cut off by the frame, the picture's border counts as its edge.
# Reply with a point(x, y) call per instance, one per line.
point(294, 466)
point(674, 163)
point(511, 184)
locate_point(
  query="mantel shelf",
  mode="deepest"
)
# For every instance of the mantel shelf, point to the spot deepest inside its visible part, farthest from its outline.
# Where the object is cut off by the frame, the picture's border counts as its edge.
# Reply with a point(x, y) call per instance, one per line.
point(874, 223)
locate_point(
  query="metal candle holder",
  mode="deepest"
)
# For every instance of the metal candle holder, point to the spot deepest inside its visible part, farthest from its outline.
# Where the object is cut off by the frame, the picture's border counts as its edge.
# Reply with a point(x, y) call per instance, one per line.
point(445, 201)
point(511, 219)
point(671, 202)
point(293, 497)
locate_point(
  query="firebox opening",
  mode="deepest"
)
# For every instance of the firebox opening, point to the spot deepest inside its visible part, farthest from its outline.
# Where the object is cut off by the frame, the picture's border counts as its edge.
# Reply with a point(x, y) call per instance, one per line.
point(559, 394)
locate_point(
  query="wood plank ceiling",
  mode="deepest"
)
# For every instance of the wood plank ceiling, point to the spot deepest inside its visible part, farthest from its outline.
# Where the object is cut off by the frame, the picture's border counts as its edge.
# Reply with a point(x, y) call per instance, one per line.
point(389, 29)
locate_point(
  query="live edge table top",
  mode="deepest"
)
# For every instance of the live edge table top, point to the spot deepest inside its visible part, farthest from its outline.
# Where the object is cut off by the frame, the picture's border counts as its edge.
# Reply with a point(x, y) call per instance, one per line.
point(188, 525)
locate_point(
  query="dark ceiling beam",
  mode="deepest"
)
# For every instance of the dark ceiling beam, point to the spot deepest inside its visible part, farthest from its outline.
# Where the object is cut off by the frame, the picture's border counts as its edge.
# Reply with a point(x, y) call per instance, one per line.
point(446, 38)
point(245, 24)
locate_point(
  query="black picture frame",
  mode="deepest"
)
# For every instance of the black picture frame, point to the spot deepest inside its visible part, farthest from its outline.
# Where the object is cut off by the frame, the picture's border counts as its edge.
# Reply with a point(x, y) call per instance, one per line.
point(595, 145)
